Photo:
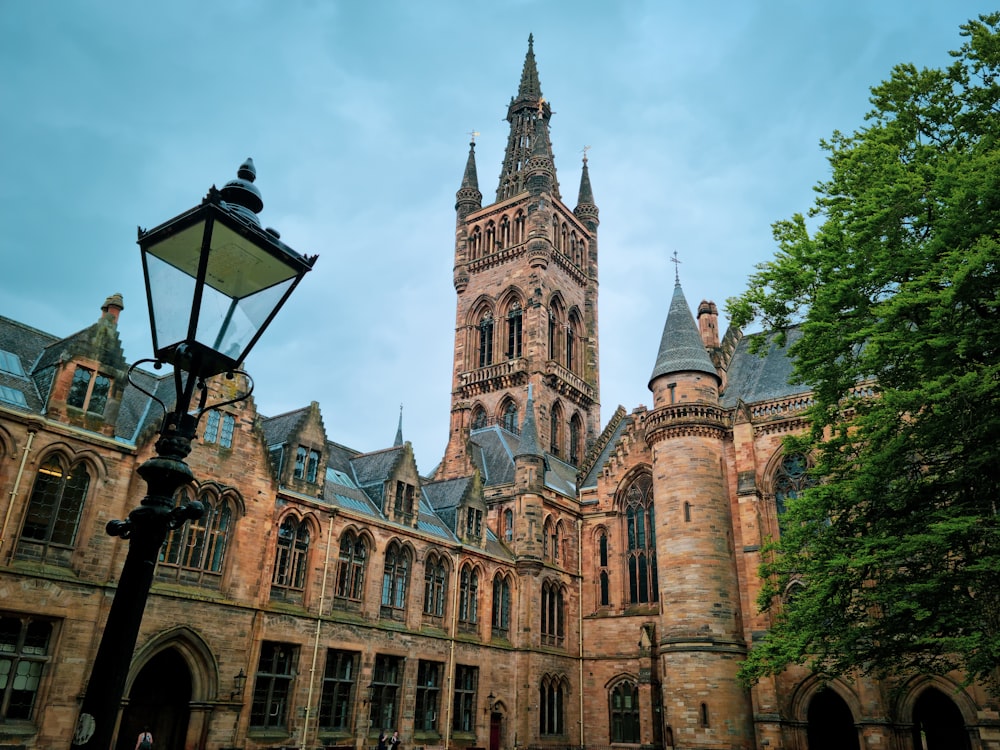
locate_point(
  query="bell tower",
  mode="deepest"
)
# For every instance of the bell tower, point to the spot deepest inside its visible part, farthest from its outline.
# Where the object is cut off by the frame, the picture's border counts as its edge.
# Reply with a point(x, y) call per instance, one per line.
point(525, 279)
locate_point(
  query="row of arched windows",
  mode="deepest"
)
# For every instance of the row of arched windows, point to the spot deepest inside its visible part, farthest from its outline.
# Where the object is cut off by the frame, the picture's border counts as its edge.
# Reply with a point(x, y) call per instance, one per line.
point(497, 333)
point(510, 230)
point(565, 441)
point(396, 583)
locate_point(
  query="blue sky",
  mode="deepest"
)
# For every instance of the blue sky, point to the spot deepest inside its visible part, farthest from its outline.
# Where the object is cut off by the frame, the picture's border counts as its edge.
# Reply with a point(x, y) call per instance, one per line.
point(703, 121)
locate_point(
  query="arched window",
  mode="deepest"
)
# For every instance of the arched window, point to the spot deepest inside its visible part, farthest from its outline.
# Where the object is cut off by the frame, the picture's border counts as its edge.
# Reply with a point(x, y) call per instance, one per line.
point(575, 440)
point(491, 238)
point(475, 243)
point(605, 575)
point(54, 509)
point(551, 706)
point(641, 537)
point(624, 707)
point(504, 231)
point(395, 577)
point(519, 224)
point(510, 418)
point(514, 324)
point(555, 431)
point(292, 554)
point(790, 480)
point(486, 339)
point(508, 525)
point(553, 614)
point(199, 545)
point(573, 343)
point(557, 541)
point(501, 606)
point(435, 586)
point(468, 595)
point(546, 537)
point(478, 418)
point(351, 567)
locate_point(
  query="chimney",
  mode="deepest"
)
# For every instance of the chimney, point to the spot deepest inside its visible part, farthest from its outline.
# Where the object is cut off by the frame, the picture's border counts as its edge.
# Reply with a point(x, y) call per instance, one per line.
point(112, 308)
point(708, 324)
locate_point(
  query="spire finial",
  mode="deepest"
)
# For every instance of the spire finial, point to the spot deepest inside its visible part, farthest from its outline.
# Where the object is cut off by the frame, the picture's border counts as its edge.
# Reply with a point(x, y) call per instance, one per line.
point(473, 134)
point(585, 150)
point(677, 269)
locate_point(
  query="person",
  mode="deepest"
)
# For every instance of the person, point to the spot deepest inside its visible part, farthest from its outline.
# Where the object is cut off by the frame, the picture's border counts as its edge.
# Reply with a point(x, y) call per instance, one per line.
point(394, 741)
point(145, 740)
point(381, 741)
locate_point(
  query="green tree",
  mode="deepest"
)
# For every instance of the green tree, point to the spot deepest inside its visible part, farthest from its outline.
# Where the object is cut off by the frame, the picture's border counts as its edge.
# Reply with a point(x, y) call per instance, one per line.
point(896, 293)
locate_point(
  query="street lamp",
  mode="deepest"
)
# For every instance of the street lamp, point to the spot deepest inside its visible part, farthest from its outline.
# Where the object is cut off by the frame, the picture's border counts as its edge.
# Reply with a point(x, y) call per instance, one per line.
point(214, 281)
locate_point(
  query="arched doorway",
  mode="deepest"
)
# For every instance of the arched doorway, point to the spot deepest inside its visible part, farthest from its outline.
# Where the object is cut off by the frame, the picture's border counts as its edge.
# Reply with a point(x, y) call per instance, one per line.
point(831, 724)
point(937, 723)
point(159, 699)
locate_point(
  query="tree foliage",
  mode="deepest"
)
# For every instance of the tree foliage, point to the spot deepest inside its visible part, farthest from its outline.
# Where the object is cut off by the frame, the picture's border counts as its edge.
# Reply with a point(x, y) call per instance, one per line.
point(897, 288)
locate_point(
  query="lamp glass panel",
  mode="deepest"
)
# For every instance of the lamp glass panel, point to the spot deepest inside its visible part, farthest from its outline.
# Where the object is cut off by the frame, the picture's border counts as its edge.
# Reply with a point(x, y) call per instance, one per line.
point(171, 295)
point(229, 325)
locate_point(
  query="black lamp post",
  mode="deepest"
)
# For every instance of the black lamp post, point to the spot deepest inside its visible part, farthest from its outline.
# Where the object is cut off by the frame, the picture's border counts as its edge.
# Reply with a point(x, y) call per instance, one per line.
point(214, 280)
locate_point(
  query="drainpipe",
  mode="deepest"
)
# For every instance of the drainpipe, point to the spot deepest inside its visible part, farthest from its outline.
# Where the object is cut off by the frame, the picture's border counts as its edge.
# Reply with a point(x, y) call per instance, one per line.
point(579, 615)
point(319, 622)
point(17, 484)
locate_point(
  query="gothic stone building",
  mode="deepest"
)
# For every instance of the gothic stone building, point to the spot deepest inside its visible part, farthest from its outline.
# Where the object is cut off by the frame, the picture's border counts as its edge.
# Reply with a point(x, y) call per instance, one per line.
point(553, 583)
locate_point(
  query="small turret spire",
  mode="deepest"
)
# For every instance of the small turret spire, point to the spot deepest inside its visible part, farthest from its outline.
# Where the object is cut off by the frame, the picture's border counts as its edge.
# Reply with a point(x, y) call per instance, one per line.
point(468, 198)
point(529, 433)
point(399, 430)
point(681, 347)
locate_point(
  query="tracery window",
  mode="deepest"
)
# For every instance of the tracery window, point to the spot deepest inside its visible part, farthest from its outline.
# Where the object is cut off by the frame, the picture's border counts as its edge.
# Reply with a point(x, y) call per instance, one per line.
point(351, 567)
point(641, 538)
point(514, 324)
point(53, 515)
point(510, 417)
point(435, 586)
point(551, 706)
point(501, 606)
point(468, 595)
point(486, 340)
point(199, 546)
point(553, 614)
point(395, 577)
point(791, 479)
point(575, 440)
point(604, 575)
point(478, 418)
point(292, 554)
point(508, 525)
point(624, 708)
point(555, 431)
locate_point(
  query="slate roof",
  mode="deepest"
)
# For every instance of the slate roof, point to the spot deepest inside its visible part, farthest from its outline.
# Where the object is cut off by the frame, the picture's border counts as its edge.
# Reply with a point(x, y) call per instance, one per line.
point(26, 344)
point(493, 454)
point(277, 429)
point(754, 377)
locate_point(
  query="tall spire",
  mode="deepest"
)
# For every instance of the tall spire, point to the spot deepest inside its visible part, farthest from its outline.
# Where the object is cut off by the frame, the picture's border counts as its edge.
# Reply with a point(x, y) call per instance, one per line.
point(681, 347)
point(528, 106)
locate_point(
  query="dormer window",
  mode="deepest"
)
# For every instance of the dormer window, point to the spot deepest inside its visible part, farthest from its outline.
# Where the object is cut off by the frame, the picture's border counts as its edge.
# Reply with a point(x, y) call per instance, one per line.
point(306, 464)
point(10, 363)
point(474, 523)
point(89, 391)
point(403, 502)
point(219, 429)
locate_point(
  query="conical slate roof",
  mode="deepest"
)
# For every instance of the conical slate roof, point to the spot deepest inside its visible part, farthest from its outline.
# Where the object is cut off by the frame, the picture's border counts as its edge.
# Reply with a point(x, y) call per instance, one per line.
point(529, 433)
point(681, 347)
